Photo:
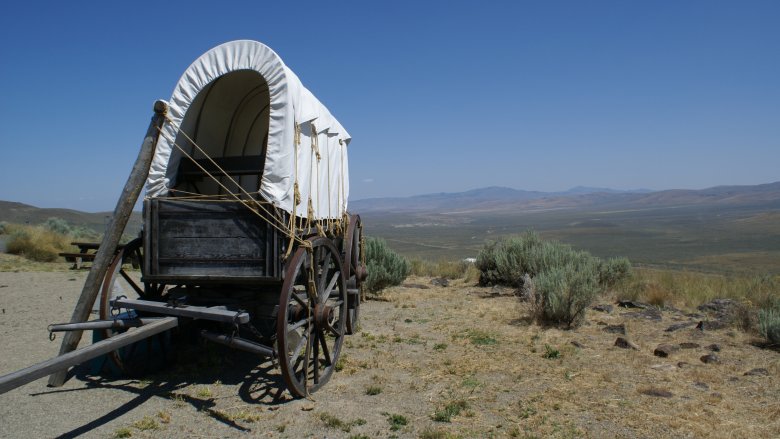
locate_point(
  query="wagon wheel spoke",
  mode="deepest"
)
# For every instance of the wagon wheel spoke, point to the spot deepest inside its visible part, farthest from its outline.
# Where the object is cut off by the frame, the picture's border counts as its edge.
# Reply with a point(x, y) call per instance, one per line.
point(299, 324)
point(301, 299)
point(304, 370)
point(325, 351)
point(316, 362)
point(332, 284)
point(297, 352)
point(132, 282)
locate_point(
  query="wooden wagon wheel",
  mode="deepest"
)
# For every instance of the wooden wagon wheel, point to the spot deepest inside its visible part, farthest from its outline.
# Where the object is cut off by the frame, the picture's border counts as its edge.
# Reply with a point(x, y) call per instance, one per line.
point(312, 317)
point(354, 271)
point(119, 283)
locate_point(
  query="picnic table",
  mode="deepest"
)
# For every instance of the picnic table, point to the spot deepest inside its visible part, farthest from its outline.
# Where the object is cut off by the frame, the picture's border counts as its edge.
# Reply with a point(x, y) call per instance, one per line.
point(87, 252)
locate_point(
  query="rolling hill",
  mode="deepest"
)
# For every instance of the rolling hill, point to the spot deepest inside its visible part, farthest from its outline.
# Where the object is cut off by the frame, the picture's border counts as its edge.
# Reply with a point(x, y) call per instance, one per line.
point(20, 213)
point(506, 199)
point(713, 229)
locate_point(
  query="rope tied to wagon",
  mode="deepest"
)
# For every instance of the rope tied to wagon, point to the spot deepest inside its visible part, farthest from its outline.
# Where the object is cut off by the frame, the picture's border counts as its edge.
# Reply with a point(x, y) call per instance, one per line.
point(317, 224)
point(296, 192)
point(255, 207)
point(273, 216)
point(315, 145)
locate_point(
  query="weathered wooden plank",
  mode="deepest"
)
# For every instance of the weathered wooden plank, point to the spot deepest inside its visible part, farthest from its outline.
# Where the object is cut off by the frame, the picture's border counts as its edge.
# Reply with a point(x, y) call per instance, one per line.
point(223, 270)
point(273, 283)
point(105, 252)
point(210, 227)
point(211, 248)
point(207, 238)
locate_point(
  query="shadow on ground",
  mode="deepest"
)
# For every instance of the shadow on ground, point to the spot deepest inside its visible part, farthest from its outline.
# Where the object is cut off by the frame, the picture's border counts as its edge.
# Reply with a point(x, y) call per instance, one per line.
point(258, 379)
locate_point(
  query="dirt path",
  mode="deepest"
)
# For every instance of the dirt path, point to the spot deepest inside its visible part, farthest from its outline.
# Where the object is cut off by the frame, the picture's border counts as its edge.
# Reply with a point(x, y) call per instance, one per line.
point(432, 362)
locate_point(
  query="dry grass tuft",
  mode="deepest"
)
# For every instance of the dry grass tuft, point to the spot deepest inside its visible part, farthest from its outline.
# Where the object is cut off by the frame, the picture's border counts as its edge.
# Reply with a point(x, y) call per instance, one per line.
point(689, 289)
point(37, 243)
point(146, 423)
point(14, 263)
point(441, 268)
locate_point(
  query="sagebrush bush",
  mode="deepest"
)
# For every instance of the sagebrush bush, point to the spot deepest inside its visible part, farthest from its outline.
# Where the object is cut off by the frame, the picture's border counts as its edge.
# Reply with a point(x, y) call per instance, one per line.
point(613, 271)
point(3, 227)
point(37, 243)
point(86, 234)
point(385, 267)
point(564, 293)
point(565, 280)
point(769, 324)
point(504, 262)
point(57, 225)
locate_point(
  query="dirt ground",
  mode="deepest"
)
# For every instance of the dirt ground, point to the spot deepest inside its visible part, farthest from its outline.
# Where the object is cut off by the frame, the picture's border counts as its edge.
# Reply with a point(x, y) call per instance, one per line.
point(430, 362)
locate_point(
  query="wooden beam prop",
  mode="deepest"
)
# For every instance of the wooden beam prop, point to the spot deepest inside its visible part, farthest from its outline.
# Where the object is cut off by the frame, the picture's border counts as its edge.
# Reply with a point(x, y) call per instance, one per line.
point(124, 207)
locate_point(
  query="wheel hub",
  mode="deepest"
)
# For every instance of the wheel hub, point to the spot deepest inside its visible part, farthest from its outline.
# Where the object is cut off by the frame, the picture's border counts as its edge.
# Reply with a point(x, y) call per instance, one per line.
point(325, 317)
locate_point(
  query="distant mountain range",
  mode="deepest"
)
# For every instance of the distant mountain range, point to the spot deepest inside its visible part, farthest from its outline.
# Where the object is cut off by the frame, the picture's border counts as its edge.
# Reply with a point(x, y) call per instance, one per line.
point(488, 199)
point(497, 198)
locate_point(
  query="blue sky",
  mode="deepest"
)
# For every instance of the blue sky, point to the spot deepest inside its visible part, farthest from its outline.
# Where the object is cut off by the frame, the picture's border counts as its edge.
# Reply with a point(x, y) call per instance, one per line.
point(438, 96)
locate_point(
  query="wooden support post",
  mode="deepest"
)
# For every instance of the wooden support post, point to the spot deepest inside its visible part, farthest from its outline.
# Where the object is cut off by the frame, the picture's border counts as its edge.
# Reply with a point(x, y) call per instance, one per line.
point(124, 207)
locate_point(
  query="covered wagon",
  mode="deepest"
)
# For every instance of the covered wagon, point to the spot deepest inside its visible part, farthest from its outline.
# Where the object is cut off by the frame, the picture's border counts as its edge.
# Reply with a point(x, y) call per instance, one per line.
point(246, 236)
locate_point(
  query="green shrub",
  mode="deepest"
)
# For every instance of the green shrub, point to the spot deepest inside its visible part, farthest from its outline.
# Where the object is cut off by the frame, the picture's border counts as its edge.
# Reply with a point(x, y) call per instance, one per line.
point(123, 432)
point(57, 225)
point(564, 281)
point(564, 293)
point(3, 227)
point(453, 408)
point(396, 421)
point(614, 270)
point(551, 352)
point(336, 423)
point(504, 262)
point(769, 325)
point(385, 267)
point(83, 233)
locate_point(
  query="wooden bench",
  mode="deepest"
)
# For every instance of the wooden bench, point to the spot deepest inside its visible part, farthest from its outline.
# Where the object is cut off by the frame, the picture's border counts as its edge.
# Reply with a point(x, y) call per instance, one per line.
point(87, 252)
point(78, 258)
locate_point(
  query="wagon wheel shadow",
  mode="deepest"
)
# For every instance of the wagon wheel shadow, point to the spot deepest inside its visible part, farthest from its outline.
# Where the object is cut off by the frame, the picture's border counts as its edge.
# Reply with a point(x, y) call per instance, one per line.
point(259, 382)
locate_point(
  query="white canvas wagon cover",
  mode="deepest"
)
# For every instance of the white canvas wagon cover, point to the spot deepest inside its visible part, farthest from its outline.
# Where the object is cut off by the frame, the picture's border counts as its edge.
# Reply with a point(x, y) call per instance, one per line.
point(238, 100)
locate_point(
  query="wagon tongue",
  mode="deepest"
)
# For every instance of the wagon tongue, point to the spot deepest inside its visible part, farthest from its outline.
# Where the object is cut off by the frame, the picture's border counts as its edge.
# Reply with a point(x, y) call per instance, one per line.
point(79, 356)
